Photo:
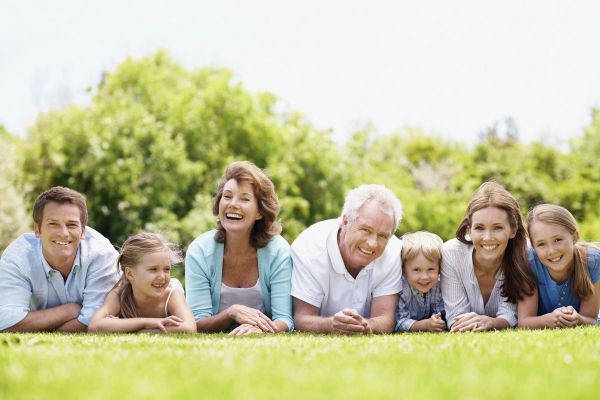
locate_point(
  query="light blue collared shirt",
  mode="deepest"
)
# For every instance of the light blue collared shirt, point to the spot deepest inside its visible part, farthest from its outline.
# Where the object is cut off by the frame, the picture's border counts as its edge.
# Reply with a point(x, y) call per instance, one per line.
point(204, 270)
point(28, 283)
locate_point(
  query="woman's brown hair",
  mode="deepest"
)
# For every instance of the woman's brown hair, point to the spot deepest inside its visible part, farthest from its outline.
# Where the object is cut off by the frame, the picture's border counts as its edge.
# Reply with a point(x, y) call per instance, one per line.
point(268, 203)
point(581, 284)
point(519, 280)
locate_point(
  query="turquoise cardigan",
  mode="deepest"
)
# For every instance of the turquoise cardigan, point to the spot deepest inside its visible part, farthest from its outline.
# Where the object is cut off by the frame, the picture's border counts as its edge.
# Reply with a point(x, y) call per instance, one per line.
point(204, 269)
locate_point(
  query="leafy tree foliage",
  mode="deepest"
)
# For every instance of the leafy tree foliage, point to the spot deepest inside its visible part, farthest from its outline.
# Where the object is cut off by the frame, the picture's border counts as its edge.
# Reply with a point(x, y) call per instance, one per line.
point(150, 148)
point(14, 219)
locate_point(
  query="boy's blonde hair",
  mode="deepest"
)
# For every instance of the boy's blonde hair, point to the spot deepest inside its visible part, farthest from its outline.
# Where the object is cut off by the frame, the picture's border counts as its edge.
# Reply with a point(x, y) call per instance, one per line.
point(421, 242)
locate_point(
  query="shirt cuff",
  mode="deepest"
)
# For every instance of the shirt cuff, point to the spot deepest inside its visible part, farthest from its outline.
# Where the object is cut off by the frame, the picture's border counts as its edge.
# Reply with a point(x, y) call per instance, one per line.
point(404, 325)
point(11, 316)
point(310, 300)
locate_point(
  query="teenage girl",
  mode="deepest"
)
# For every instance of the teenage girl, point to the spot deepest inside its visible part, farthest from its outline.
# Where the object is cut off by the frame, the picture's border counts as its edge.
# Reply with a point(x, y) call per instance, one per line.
point(568, 272)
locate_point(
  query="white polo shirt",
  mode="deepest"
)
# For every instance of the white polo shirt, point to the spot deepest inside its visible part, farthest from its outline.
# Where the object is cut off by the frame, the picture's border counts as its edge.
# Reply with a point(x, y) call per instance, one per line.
point(320, 278)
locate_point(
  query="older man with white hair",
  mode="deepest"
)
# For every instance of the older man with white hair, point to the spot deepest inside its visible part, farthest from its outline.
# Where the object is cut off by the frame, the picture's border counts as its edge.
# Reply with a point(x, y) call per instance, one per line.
point(347, 271)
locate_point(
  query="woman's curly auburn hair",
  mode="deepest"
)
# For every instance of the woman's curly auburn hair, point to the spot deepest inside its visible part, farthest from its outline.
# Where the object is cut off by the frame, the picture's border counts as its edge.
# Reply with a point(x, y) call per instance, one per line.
point(268, 203)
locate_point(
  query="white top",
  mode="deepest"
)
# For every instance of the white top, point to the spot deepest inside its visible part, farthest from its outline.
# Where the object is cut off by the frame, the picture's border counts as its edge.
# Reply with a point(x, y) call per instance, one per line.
point(320, 278)
point(251, 297)
point(460, 288)
point(174, 284)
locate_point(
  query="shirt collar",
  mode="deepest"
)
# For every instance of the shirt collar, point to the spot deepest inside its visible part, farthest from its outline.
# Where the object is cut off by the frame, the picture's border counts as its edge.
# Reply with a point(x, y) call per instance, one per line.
point(335, 256)
point(48, 269)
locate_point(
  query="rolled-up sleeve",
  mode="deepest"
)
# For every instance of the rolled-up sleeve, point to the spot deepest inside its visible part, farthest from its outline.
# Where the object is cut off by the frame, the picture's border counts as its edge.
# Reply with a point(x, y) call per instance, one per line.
point(281, 286)
point(507, 311)
point(305, 286)
point(15, 294)
point(197, 283)
point(101, 278)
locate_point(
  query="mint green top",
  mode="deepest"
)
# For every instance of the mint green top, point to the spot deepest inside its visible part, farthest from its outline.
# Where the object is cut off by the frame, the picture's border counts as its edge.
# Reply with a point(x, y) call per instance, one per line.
point(204, 269)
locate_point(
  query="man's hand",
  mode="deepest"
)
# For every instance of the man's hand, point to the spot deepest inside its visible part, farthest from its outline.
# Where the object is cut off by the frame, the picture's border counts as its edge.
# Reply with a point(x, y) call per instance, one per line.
point(349, 322)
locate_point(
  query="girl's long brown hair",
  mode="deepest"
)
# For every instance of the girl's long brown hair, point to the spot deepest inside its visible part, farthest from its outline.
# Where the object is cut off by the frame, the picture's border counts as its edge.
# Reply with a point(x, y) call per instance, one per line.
point(519, 280)
point(581, 284)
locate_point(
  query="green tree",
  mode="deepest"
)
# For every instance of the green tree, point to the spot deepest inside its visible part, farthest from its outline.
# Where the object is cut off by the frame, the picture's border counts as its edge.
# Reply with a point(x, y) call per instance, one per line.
point(14, 218)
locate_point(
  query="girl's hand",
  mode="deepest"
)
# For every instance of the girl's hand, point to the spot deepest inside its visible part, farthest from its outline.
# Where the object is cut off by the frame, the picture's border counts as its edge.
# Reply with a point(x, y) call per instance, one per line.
point(568, 316)
point(251, 316)
point(471, 322)
point(435, 323)
point(246, 329)
point(161, 324)
point(558, 317)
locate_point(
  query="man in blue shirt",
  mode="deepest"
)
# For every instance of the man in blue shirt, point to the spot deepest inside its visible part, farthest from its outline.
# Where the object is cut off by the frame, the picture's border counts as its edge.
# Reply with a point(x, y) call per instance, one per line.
point(56, 277)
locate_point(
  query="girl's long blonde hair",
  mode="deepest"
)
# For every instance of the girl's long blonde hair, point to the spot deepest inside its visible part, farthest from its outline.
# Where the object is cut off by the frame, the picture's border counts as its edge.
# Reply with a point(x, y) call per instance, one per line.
point(132, 251)
point(581, 284)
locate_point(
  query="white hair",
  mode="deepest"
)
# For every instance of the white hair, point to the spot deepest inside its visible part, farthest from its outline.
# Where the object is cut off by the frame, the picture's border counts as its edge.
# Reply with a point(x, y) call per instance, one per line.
point(356, 198)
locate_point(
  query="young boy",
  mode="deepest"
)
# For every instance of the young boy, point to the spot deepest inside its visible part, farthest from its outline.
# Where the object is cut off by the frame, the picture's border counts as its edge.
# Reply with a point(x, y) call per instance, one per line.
point(420, 304)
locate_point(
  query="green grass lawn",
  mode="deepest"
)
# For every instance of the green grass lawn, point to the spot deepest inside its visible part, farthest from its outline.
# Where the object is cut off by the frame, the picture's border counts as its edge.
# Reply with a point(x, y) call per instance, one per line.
point(495, 365)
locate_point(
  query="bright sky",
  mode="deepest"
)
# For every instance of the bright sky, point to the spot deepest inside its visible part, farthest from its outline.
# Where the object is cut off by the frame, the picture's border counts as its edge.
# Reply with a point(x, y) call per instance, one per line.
point(449, 67)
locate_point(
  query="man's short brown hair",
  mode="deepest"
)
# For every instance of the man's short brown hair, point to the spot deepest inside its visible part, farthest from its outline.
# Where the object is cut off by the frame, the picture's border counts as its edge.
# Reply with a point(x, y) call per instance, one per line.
point(60, 195)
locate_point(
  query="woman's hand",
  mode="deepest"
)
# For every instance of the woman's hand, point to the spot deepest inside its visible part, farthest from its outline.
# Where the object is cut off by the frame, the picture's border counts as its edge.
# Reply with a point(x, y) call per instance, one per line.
point(471, 322)
point(246, 329)
point(160, 324)
point(251, 316)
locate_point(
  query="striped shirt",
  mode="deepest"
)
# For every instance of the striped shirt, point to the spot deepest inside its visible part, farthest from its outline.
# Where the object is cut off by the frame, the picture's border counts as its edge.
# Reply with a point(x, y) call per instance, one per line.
point(415, 306)
point(460, 289)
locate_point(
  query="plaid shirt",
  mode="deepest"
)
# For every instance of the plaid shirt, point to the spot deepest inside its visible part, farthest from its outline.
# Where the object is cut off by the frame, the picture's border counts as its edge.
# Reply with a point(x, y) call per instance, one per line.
point(414, 306)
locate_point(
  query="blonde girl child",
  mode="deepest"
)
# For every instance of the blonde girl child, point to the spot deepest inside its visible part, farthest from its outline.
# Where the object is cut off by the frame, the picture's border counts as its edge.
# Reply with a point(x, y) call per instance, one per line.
point(568, 272)
point(145, 299)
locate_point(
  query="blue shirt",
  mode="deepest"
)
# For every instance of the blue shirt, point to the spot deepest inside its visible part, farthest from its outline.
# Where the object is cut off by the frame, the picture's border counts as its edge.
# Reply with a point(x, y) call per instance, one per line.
point(29, 283)
point(415, 306)
point(552, 295)
point(204, 270)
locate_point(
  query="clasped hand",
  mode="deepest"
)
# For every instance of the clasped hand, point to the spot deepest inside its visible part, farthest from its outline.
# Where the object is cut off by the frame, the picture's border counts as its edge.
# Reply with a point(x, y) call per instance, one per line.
point(349, 322)
point(565, 316)
point(250, 317)
point(471, 322)
point(435, 323)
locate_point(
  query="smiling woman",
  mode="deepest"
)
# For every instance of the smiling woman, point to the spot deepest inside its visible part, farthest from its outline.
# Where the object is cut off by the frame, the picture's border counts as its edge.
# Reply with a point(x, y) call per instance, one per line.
point(238, 276)
point(485, 269)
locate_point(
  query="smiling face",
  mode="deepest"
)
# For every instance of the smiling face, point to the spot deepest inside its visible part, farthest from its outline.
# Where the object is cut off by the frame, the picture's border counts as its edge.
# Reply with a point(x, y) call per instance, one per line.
point(238, 207)
point(490, 232)
point(151, 276)
point(60, 232)
point(554, 245)
point(421, 272)
point(363, 240)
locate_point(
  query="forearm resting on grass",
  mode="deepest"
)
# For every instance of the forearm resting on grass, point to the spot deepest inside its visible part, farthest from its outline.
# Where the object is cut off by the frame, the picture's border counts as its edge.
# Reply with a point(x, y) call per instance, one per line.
point(242, 315)
point(49, 319)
